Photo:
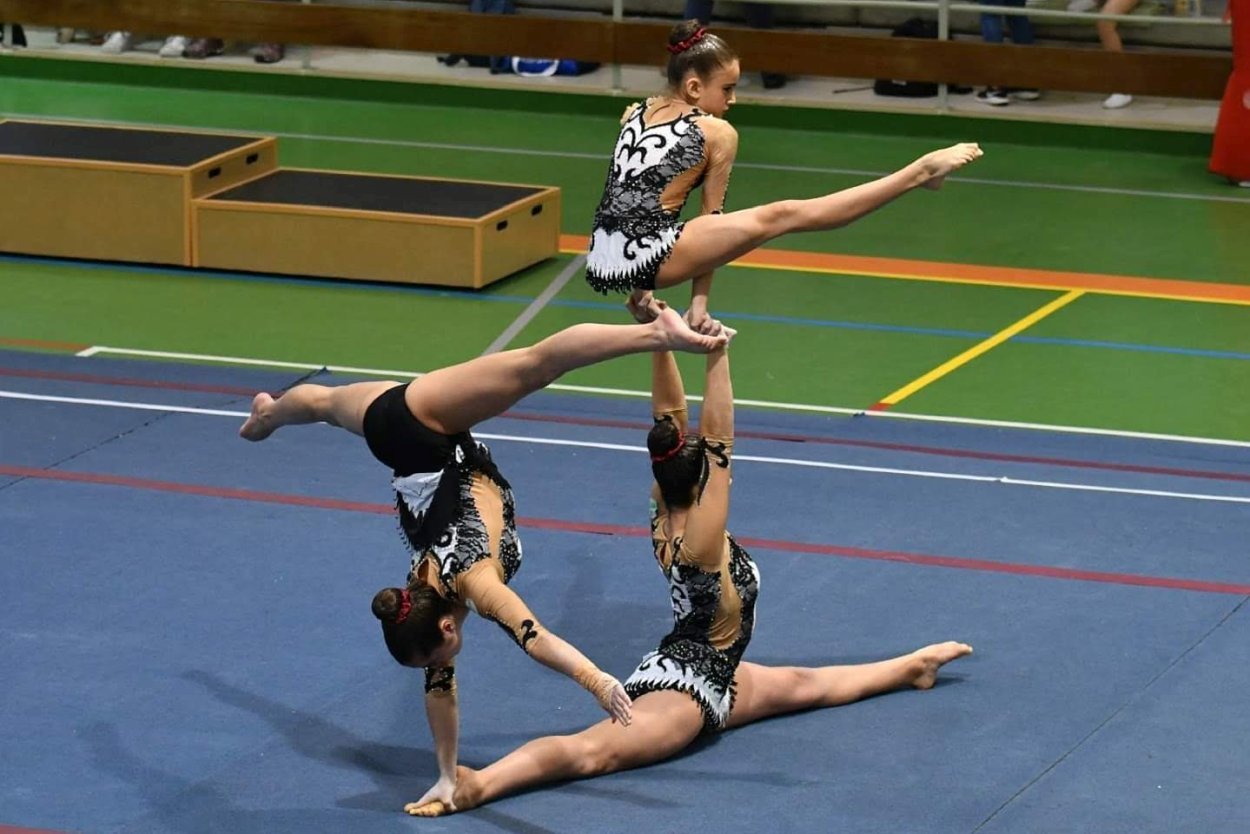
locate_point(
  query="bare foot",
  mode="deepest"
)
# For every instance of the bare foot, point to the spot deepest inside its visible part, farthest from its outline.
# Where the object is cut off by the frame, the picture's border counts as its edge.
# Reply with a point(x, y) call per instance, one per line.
point(938, 164)
point(468, 795)
point(257, 427)
point(728, 331)
point(675, 334)
point(931, 658)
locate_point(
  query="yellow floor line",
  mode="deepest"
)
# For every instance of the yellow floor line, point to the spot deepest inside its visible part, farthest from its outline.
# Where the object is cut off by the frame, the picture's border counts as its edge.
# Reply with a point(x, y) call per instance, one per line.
point(978, 349)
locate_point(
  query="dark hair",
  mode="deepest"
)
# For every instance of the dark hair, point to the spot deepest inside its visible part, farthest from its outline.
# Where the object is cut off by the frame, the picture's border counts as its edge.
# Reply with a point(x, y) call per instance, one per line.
point(419, 634)
point(706, 55)
point(681, 471)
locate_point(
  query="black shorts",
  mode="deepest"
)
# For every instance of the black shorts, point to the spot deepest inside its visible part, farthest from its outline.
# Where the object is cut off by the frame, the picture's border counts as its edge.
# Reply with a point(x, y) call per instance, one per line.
point(401, 441)
point(408, 446)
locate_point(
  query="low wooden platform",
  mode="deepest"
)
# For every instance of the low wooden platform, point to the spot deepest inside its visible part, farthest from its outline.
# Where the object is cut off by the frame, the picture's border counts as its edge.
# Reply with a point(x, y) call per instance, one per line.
point(114, 193)
point(412, 230)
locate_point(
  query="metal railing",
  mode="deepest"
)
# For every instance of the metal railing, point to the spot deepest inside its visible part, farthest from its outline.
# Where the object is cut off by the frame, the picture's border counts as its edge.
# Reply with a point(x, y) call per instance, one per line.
point(943, 10)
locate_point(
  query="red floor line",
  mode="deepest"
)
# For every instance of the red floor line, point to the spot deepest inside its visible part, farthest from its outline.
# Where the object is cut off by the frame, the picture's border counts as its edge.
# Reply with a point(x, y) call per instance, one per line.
point(938, 451)
point(1001, 567)
point(67, 376)
point(15, 829)
point(198, 489)
point(538, 417)
point(643, 532)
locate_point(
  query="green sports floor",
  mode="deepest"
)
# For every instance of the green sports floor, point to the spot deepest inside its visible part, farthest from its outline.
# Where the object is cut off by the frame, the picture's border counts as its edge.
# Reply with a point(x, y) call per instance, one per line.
point(1072, 200)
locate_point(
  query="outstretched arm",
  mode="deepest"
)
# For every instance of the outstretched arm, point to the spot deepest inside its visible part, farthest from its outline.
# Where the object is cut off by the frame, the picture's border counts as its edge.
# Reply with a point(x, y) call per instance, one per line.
point(497, 602)
point(668, 394)
point(443, 714)
point(705, 525)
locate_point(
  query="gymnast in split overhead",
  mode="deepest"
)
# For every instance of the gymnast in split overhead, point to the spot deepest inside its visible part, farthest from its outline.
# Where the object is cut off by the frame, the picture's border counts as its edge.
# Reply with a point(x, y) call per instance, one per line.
point(672, 143)
point(456, 510)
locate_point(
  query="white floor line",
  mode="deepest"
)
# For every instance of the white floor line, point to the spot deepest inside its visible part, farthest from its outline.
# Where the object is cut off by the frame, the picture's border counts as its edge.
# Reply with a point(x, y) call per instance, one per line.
point(96, 350)
point(175, 409)
point(1009, 424)
point(619, 447)
point(800, 169)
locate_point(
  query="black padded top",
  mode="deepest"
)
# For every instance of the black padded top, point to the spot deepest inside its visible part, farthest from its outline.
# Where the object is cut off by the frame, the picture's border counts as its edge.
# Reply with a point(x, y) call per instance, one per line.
point(108, 144)
point(369, 193)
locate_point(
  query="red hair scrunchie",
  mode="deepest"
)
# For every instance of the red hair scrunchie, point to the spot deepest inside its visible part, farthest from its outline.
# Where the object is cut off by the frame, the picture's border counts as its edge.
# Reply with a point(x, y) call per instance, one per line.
point(671, 453)
point(405, 605)
point(682, 46)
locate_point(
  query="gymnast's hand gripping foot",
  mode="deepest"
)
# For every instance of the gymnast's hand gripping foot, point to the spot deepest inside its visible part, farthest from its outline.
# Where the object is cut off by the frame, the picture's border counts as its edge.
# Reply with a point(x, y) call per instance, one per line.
point(696, 680)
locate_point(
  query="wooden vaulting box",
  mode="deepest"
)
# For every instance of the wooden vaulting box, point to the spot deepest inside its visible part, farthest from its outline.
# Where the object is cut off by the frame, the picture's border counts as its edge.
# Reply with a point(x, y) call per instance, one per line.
point(413, 230)
point(114, 193)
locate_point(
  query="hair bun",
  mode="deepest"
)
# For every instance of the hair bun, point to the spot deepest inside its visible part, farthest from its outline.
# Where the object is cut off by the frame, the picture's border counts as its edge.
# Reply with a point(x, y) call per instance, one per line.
point(663, 436)
point(386, 604)
point(685, 35)
point(683, 31)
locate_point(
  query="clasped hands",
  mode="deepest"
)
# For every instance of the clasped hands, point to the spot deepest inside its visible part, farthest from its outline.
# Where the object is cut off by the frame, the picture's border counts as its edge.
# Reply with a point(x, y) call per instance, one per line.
point(645, 308)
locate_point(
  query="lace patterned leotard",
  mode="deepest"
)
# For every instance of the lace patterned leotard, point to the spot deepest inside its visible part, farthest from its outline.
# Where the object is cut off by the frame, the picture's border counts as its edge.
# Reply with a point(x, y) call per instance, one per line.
point(653, 170)
point(713, 599)
point(457, 517)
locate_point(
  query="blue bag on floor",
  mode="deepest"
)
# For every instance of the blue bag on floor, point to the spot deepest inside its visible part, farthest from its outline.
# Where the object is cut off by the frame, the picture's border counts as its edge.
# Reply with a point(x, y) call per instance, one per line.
point(543, 67)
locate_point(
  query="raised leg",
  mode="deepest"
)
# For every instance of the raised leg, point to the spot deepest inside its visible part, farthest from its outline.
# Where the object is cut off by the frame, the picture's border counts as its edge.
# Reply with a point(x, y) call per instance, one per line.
point(664, 723)
point(712, 240)
point(341, 405)
point(455, 399)
point(764, 691)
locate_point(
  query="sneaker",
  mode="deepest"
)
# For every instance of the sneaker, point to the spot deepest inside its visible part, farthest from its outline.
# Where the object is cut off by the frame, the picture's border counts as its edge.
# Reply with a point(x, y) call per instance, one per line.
point(268, 53)
point(204, 48)
point(1082, 5)
point(173, 47)
point(994, 96)
point(1242, 183)
point(1023, 93)
point(1115, 101)
point(117, 43)
point(65, 35)
point(773, 80)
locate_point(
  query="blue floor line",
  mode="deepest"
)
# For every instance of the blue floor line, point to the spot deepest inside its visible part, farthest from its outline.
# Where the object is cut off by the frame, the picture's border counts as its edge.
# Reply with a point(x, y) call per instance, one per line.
point(731, 316)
